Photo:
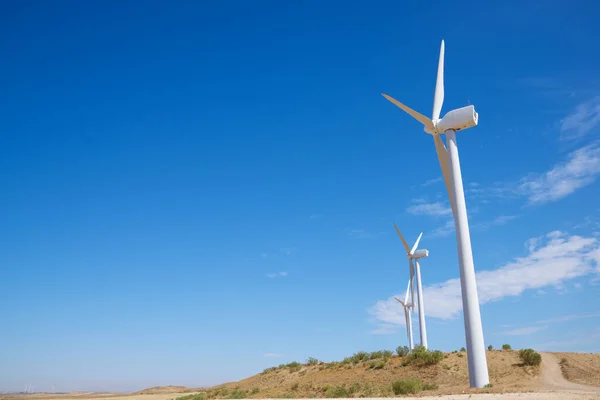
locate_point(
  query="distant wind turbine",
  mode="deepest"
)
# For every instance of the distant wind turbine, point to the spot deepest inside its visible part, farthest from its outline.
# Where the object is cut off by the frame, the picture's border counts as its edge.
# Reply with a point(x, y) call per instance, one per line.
point(407, 316)
point(457, 120)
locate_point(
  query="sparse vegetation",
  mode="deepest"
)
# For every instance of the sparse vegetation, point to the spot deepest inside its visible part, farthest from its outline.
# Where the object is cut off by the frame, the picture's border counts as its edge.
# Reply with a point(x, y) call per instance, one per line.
point(489, 385)
point(506, 347)
point(407, 386)
point(430, 386)
point(254, 391)
point(238, 394)
point(354, 388)
point(312, 361)
point(420, 356)
point(293, 366)
point(460, 355)
point(463, 349)
point(199, 396)
point(490, 347)
point(337, 392)
point(295, 386)
point(402, 351)
point(530, 357)
point(379, 364)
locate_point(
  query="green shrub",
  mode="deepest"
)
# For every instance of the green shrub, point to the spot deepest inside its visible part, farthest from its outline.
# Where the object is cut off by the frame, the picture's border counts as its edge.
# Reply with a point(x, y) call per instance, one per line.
point(530, 357)
point(268, 370)
point(463, 349)
point(295, 386)
point(294, 366)
point(420, 356)
point(460, 355)
point(354, 388)
point(506, 347)
point(378, 364)
point(199, 396)
point(489, 385)
point(254, 391)
point(312, 361)
point(387, 354)
point(238, 394)
point(402, 350)
point(408, 386)
point(490, 347)
point(375, 355)
point(430, 386)
point(337, 392)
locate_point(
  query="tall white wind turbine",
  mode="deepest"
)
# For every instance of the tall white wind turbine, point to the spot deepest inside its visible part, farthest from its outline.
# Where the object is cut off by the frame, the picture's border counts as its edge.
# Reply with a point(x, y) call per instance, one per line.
point(407, 307)
point(414, 254)
point(456, 120)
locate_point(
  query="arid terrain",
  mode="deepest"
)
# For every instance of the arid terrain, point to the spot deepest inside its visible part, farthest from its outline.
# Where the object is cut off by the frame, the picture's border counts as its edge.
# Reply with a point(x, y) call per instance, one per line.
point(560, 376)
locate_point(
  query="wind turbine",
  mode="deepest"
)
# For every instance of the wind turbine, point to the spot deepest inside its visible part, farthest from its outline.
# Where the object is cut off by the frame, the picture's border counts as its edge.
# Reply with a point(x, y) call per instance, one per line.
point(456, 120)
point(414, 254)
point(407, 306)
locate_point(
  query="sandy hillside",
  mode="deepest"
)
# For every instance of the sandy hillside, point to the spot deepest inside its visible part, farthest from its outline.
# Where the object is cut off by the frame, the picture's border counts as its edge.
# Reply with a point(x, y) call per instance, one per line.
point(581, 368)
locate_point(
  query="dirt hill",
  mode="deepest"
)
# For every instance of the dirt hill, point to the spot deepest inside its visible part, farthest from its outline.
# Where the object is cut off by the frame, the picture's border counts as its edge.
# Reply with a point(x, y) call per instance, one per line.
point(374, 377)
point(164, 390)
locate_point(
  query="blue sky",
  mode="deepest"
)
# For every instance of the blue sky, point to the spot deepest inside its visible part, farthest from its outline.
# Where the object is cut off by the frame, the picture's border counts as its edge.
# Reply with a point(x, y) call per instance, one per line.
point(193, 194)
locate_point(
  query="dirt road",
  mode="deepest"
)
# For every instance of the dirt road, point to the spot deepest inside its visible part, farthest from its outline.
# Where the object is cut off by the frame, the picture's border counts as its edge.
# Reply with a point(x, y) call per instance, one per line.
point(553, 379)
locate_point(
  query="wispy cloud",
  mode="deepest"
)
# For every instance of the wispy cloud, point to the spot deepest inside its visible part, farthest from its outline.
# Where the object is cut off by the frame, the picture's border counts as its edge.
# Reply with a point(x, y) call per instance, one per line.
point(581, 168)
point(273, 355)
point(553, 259)
point(385, 329)
point(436, 209)
point(444, 230)
point(277, 274)
point(584, 118)
point(431, 181)
point(497, 221)
point(569, 317)
point(524, 331)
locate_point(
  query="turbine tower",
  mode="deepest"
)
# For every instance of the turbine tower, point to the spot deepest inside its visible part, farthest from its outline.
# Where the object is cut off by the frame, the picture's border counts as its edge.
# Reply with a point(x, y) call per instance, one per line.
point(456, 120)
point(414, 254)
point(407, 307)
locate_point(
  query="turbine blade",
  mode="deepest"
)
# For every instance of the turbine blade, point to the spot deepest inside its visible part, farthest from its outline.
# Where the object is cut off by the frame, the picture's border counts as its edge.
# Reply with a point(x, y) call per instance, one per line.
point(438, 96)
point(407, 290)
point(419, 117)
point(442, 154)
point(399, 301)
point(412, 251)
point(402, 238)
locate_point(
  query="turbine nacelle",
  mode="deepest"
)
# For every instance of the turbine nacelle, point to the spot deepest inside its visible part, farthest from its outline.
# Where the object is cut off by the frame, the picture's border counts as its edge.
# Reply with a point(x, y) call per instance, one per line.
point(456, 120)
point(420, 254)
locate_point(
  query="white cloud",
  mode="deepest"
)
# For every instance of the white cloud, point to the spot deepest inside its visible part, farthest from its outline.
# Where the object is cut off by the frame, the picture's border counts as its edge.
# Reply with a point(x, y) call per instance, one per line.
point(569, 317)
point(273, 355)
point(431, 181)
point(581, 168)
point(524, 331)
point(444, 230)
point(584, 118)
point(277, 274)
point(385, 329)
point(436, 209)
point(552, 260)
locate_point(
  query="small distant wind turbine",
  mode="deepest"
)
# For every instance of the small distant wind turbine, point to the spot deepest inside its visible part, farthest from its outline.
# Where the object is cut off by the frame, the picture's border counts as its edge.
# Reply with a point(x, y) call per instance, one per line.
point(457, 120)
point(407, 308)
point(414, 254)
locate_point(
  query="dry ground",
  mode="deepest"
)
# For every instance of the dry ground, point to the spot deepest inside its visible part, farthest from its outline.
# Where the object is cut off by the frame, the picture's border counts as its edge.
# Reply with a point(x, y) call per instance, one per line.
point(509, 378)
point(581, 368)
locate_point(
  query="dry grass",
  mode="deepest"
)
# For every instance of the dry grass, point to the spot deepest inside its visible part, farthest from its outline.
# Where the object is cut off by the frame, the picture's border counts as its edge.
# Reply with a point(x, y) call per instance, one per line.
point(581, 368)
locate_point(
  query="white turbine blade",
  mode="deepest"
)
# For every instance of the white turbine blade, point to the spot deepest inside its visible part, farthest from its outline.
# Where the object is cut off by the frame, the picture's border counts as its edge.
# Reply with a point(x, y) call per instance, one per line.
point(407, 290)
point(400, 301)
point(412, 251)
point(442, 154)
point(419, 117)
point(438, 97)
point(402, 238)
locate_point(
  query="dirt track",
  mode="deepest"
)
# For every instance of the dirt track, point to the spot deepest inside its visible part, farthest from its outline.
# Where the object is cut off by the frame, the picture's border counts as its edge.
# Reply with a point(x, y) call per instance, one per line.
point(553, 379)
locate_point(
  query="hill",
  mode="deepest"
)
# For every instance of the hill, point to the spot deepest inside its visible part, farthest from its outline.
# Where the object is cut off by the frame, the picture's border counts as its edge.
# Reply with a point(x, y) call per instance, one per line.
point(372, 374)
